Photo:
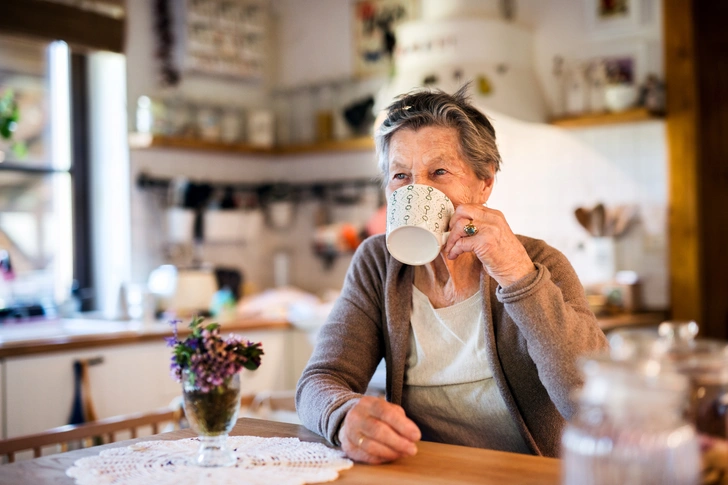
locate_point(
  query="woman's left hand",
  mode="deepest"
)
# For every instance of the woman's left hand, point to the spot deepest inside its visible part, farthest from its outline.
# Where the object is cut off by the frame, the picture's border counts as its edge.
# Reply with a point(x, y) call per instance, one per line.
point(501, 253)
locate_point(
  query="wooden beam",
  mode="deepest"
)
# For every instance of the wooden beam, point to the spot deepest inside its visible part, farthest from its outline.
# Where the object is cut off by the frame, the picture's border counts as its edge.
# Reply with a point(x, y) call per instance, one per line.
point(696, 71)
point(711, 52)
point(53, 21)
point(683, 185)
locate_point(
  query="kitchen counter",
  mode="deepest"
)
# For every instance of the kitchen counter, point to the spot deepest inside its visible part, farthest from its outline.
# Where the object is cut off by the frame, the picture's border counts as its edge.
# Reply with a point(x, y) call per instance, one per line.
point(18, 339)
point(28, 338)
point(627, 320)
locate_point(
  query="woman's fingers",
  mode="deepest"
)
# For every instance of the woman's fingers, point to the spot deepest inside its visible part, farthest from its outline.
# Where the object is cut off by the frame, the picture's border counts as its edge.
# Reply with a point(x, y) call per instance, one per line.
point(375, 431)
point(494, 243)
point(464, 215)
point(367, 449)
point(394, 416)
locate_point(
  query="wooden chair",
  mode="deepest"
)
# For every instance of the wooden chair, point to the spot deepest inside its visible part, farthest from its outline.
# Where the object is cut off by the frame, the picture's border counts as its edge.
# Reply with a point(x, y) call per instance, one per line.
point(90, 434)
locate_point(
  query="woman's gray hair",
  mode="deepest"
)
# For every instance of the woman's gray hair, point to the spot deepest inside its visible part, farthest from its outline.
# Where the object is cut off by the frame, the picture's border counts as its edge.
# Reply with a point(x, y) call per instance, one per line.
point(426, 107)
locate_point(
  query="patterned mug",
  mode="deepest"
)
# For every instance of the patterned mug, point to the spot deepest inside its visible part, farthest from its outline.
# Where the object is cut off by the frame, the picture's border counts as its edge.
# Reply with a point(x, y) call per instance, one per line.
point(417, 222)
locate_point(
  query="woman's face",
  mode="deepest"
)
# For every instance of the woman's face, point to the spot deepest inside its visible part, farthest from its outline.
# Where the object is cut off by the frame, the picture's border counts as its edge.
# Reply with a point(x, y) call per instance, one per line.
point(430, 156)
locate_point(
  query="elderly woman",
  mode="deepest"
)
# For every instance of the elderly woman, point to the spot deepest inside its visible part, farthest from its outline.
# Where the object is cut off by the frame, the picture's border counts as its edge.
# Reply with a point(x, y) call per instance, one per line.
point(481, 344)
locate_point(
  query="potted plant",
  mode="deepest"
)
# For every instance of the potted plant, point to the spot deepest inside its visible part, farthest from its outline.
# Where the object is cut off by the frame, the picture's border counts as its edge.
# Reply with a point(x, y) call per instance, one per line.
point(9, 119)
point(208, 367)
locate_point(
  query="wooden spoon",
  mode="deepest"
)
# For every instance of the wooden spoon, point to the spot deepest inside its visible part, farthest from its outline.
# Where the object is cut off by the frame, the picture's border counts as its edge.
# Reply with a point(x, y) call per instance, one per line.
point(626, 217)
point(584, 218)
point(597, 220)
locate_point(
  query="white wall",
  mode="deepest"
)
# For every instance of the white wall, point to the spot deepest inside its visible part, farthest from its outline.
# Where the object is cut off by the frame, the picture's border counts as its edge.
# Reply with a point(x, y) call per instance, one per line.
point(314, 41)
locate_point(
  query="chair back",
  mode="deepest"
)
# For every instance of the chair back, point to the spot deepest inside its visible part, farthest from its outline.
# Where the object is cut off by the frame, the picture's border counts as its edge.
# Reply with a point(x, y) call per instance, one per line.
point(90, 434)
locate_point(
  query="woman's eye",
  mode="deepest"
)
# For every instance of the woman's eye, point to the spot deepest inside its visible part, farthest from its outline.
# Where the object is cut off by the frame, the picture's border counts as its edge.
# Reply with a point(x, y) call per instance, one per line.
point(440, 171)
point(399, 176)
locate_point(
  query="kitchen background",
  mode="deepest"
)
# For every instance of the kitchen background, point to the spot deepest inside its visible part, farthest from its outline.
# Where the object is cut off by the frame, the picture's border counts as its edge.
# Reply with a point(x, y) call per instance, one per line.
point(302, 204)
point(548, 172)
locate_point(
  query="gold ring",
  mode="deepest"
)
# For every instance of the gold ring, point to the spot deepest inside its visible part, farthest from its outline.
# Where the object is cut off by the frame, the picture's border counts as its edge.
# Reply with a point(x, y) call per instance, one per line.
point(470, 229)
point(361, 440)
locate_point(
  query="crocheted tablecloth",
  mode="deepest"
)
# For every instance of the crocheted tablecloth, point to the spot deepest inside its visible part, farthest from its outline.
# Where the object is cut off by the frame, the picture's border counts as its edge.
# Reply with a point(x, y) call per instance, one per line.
point(261, 461)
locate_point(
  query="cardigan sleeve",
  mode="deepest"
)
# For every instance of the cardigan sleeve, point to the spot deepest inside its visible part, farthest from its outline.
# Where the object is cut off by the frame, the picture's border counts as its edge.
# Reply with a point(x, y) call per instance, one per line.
point(348, 349)
point(549, 307)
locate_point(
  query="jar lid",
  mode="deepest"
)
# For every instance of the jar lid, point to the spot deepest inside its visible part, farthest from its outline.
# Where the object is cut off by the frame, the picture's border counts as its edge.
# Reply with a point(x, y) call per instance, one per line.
point(701, 360)
point(641, 379)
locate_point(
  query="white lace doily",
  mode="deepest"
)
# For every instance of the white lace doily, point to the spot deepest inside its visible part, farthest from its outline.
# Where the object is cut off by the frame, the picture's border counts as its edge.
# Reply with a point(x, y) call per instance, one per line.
point(261, 461)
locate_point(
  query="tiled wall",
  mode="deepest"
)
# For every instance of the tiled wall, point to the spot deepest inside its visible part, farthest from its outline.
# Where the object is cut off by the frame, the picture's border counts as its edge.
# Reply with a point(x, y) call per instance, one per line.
point(256, 257)
point(549, 172)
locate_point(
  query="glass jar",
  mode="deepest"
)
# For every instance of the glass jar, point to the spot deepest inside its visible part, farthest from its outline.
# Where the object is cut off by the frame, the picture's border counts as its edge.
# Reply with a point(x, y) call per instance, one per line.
point(705, 364)
point(629, 427)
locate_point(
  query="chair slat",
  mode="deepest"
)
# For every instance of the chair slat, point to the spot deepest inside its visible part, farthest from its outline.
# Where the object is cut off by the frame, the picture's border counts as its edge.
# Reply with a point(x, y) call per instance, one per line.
point(85, 432)
point(36, 452)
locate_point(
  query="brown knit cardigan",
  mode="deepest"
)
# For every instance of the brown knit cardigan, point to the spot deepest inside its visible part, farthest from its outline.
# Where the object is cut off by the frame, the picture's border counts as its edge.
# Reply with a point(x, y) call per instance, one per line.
point(534, 331)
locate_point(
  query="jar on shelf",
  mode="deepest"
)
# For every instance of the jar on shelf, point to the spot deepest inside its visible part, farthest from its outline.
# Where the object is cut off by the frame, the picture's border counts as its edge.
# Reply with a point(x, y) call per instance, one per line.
point(283, 119)
point(629, 427)
point(324, 113)
point(303, 116)
point(180, 115)
point(209, 123)
point(231, 129)
point(151, 116)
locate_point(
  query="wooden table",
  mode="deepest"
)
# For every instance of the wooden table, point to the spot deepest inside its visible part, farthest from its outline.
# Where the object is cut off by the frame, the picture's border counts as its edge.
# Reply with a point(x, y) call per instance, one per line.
point(434, 463)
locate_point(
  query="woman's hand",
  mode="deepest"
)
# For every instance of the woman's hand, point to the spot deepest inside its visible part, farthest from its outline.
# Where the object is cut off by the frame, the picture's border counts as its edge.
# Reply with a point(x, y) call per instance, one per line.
point(501, 253)
point(376, 431)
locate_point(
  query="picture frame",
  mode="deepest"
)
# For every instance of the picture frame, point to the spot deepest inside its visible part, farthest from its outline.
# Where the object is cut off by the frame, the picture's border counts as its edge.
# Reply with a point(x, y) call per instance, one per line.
point(626, 59)
point(374, 23)
point(608, 19)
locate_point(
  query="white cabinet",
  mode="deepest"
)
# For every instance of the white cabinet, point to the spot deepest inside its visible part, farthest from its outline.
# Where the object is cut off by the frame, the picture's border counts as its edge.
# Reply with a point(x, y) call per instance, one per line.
point(38, 389)
point(129, 379)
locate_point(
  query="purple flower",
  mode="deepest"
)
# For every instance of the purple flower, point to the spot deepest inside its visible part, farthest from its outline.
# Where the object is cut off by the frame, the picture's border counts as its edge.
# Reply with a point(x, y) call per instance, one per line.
point(210, 358)
point(174, 324)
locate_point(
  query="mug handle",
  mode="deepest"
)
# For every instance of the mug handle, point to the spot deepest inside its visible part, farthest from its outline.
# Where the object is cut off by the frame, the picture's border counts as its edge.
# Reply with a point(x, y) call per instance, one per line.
point(444, 237)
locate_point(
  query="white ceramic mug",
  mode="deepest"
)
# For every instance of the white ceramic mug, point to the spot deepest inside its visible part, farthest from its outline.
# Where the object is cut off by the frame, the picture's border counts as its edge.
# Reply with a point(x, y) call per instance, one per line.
point(417, 222)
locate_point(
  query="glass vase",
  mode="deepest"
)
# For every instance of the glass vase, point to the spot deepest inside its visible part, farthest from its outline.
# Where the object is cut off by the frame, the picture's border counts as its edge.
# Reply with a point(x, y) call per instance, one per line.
point(212, 414)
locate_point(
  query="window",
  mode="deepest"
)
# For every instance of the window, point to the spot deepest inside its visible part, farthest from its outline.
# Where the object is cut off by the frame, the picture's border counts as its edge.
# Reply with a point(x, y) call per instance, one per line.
point(38, 174)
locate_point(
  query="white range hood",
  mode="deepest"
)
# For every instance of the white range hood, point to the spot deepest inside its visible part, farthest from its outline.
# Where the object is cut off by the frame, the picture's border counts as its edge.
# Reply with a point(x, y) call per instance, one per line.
point(455, 42)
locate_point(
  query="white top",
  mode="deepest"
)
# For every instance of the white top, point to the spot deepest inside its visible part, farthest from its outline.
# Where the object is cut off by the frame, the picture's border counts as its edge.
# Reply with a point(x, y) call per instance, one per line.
point(447, 345)
point(449, 388)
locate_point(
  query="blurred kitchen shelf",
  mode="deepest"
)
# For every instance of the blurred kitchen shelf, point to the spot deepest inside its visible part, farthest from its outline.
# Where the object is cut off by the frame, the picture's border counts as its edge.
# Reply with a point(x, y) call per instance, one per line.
point(596, 119)
point(144, 140)
point(651, 318)
point(349, 144)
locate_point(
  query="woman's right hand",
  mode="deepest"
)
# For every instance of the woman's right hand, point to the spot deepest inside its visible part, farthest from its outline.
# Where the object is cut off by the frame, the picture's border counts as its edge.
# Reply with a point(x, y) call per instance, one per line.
point(376, 431)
